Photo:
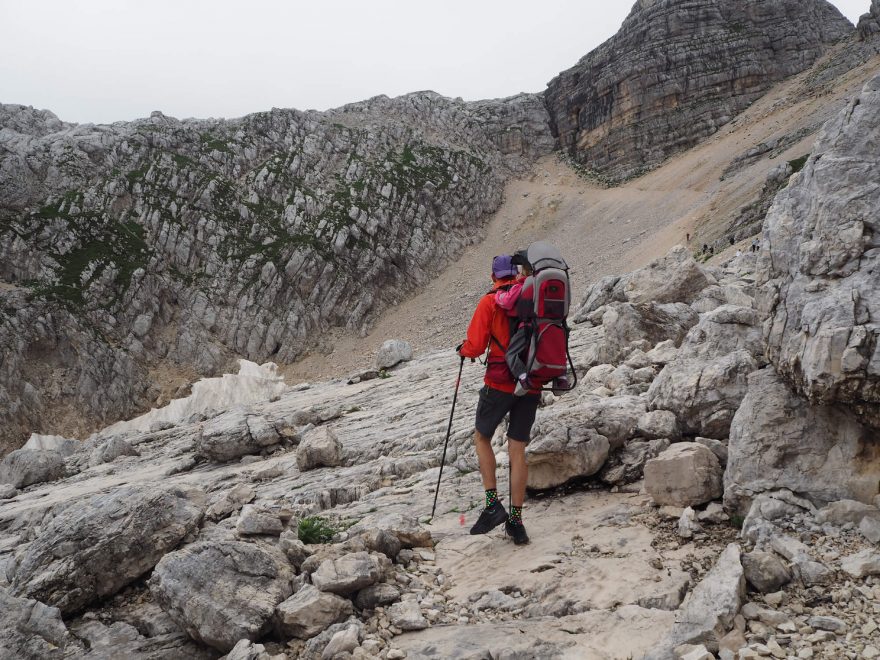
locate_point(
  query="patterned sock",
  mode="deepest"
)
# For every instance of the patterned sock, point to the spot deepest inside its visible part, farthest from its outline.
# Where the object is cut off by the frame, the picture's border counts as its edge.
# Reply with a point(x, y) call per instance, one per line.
point(491, 497)
point(515, 516)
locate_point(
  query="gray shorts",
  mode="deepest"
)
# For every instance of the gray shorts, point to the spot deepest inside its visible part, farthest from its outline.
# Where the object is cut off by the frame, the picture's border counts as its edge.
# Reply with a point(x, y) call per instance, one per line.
point(495, 404)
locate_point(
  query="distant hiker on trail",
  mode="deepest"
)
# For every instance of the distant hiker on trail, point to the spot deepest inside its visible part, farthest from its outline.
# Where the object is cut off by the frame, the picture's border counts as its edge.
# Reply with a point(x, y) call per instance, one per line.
point(490, 328)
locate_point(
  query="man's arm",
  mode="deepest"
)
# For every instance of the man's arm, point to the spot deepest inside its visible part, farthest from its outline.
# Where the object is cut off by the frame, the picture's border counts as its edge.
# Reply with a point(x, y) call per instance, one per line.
point(478, 330)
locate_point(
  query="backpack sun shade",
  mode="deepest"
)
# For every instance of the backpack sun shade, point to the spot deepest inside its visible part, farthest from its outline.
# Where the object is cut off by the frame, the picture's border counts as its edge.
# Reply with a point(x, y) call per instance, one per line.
point(539, 344)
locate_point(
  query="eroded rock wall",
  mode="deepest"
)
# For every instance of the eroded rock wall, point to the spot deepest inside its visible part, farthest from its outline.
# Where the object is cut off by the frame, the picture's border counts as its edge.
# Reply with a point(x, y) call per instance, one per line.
point(678, 70)
point(190, 242)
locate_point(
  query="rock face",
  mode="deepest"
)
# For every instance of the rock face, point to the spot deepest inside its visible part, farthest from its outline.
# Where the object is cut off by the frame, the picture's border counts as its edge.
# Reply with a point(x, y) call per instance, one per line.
point(818, 283)
point(310, 611)
point(869, 24)
point(319, 448)
point(221, 592)
point(30, 629)
point(686, 474)
point(676, 71)
point(104, 543)
point(25, 467)
point(778, 440)
point(224, 235)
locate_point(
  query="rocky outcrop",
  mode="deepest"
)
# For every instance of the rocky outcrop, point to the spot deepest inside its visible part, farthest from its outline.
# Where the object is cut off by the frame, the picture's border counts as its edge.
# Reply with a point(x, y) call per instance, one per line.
point(779, 440)
point(817, 273)
point(30, 629)
point(686, 474)
point(104, 543)
point(678, 70)
point(221, 592)
point(869, 24)
point(25, 467)
point(194, 241)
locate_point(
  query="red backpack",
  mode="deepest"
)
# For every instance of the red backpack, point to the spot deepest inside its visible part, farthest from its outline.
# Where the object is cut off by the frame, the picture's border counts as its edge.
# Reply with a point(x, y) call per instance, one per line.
point(539, 346)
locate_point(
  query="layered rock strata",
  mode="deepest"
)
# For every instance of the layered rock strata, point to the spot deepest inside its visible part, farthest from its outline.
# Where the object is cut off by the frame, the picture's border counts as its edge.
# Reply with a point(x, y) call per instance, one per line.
point(678, 70)
point(192, 241)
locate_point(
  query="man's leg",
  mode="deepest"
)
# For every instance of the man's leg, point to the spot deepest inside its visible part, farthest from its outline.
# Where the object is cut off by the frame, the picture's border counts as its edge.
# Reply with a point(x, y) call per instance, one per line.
point(486, 457)
point(519, 471)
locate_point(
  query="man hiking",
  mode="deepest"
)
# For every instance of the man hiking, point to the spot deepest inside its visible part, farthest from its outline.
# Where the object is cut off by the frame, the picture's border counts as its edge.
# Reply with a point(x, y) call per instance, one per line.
point(490, 329)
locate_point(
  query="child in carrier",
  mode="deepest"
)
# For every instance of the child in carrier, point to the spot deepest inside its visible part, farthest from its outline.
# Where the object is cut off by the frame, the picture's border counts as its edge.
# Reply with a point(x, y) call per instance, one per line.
point(508, 299)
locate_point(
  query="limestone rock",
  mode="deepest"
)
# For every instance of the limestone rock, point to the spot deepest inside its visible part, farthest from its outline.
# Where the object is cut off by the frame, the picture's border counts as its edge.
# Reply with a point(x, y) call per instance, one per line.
point(705, 393)
point(405, 527)
point(30, 629)
point(842, 512)
point(563, 454)
point(870, 529)
point(309, 611)
point(222, 591)
point(393, 352)
point(25, 467)
point(407, 615)
point(7, 491)
point(346, 574)
point(612, 111)
point(862, 564)
point(627, 464)
point(686, 474)
point(707, 615)
point(377, 594)
point(99, 545)
point(245, 649)
point(64, 446)
point(765, 571)
point(319, 448)
point(658, 424)
point(869, 24)
point(673, 278)
point(818, 282)
point(297, 551)
point(343, 641)
point(778, 441)
point(255, 520)
point(232, 435)
point(626, 323)
point(110, 450)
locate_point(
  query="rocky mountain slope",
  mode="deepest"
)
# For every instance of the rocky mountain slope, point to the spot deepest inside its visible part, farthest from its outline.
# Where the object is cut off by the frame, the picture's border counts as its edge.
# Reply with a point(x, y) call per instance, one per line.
point(678, 70)
point(177, 244)
point(197, 537)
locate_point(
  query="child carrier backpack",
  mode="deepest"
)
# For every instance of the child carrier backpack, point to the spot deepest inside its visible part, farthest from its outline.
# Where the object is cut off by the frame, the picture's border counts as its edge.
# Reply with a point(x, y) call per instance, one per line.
point(539, 345)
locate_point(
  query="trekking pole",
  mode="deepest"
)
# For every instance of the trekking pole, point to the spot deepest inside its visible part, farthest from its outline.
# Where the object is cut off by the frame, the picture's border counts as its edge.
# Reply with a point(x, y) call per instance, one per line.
point(448, 432)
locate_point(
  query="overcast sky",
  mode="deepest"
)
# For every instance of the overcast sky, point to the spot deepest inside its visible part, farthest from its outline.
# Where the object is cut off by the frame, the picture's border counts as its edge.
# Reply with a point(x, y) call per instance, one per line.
point(107, 60)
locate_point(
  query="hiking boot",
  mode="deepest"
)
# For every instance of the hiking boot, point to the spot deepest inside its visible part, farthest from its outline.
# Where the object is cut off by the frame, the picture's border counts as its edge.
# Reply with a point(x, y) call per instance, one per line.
point(489, 519)
point(522, 385)
point(517, 532)
point(561, 385)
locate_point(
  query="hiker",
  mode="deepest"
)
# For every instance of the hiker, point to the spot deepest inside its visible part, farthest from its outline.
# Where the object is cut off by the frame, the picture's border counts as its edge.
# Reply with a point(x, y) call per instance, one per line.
point(507, 298)
point(490, 328)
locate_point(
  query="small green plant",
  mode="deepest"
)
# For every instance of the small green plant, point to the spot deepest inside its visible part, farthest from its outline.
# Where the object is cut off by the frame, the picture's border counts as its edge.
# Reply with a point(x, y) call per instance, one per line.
point(737, 521)
point(798, 163)
point(384, 374)
point(315, 529)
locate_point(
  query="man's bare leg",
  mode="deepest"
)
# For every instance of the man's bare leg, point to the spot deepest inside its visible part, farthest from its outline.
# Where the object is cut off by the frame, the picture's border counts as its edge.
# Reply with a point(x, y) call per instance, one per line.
point(486, 457)
point(519, 471)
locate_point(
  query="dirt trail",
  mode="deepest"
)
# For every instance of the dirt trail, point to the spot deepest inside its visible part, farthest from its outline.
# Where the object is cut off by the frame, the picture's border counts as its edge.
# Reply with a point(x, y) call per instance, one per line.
point(600, 231)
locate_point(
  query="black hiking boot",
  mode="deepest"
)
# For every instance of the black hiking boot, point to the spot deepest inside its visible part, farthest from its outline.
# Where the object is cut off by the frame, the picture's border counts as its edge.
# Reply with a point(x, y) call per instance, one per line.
point(517, 532)
point(489, 519)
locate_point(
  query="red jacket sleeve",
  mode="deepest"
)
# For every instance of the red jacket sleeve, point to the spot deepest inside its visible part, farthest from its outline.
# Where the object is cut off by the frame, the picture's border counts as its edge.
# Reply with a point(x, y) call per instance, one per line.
point(479, 329)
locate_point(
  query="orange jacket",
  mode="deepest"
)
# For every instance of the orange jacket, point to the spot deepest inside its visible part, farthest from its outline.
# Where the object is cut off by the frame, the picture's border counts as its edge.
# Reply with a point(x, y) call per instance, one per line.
point(490, 327)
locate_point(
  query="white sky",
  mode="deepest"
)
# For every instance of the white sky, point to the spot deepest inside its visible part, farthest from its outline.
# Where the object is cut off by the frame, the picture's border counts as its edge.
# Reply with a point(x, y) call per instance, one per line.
point(108, 60)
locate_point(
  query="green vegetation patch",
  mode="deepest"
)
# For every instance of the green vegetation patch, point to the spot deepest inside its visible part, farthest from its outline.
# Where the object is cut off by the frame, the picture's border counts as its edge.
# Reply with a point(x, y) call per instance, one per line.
point(315, 529)
point(798, 163)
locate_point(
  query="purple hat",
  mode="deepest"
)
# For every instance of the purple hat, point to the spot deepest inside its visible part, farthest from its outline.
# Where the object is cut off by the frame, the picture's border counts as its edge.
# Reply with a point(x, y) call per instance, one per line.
point(502, 268)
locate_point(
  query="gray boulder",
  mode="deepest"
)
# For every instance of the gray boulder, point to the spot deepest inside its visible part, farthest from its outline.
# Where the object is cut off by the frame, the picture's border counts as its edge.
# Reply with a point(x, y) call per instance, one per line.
point(222, 591)
point(765, 571)
point(375, 595)
point(650, 322)
point(627, 464)
point(686, 474)
point(25, 467)
point(673, 278)
point(30, 629)
point(97, 546)
point(110, 450)
point(319, 448)
point(347, 574)
point(704, 392)
point(563, 454)
point(862, 564)
point(707, 615)
point(233, 434)
point(7, 491)
point(255, 520)
point(309, 611)
point(818, 281)
point(778, 440)
point(405, 527)
point(393, 352)
point(407, 615)
point(842, 512)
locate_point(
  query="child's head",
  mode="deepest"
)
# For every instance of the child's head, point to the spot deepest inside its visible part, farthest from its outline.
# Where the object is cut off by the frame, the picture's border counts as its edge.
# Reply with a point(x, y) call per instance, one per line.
point(502, 268)
point(521, 259)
